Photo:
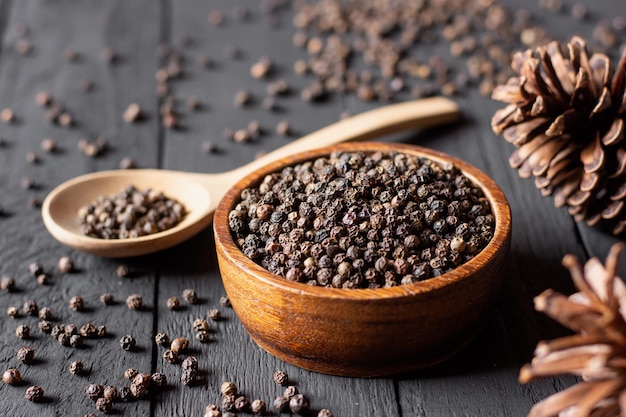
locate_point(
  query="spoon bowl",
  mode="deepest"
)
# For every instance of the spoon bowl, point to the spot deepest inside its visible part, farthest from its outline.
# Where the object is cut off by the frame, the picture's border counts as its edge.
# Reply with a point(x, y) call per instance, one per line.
point(201, 193)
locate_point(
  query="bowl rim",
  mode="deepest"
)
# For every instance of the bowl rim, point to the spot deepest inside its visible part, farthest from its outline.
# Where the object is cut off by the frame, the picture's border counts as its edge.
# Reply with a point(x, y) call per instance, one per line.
point(233, 255)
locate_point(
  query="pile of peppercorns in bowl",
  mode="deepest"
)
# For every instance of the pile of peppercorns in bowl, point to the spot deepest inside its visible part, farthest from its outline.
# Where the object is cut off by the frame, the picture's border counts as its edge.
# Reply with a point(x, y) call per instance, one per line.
point(329, 255)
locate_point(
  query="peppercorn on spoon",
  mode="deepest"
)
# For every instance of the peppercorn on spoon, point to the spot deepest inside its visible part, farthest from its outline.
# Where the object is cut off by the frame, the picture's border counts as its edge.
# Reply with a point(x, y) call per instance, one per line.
point(201, 193)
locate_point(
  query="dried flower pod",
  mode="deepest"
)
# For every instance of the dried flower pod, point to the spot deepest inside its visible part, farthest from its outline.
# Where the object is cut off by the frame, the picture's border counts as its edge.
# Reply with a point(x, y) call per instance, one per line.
point(566, 116)
point(597, 313)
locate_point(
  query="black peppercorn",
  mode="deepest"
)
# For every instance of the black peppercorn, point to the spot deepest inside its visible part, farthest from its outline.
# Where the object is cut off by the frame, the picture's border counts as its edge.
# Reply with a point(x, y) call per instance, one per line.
point(107, 299)
point(76, 303)
point(34, 393)
point(130, 373)
point(162, 339)
point(190, 362)
point(65, 264)
point(11, 377)
point(7, 284)
point(214, 314)
point(124, 394)
point(228, 403)
point(190, 296)
point(128, 342)
point(170, 357)
point(281, 404)
point(189, 377)
point(158, 379)
point(104, 405)
point(94, 391)
point(134, 302)
point(30, 308)
point(110, 393)
point(324, 412)
point(299, 404)
point(76, 368)
point(45, 326)
point(179, 345)
point(26, 355)
point(35, 268)
point(290, 391)
point(242, 404)
point(228, 388)
point(88, 330)
point(172, 303)
point(22, 331)
point(281, 377)
point(258, 407)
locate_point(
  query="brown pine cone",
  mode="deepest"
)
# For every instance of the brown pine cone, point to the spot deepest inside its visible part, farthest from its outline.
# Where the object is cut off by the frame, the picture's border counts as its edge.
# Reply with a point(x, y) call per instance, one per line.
point(596, 353)
point(566, 114)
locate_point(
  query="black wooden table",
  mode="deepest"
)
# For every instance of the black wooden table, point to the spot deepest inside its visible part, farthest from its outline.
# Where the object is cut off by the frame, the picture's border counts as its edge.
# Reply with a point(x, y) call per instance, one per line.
point(479, 381)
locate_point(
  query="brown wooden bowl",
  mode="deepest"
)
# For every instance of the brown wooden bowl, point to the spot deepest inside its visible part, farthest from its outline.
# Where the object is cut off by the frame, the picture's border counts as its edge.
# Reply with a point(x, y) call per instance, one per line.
point(364, 332)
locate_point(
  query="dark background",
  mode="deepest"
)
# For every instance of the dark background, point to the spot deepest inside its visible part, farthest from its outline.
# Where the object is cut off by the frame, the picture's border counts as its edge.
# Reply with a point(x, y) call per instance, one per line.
point(480, 381)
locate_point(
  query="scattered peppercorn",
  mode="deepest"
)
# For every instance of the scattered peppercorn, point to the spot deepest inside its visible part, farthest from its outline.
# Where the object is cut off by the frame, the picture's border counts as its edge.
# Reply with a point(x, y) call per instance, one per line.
point(242, 403)
point(7, 284)
point(26, 355)
point(299, 404)
point(190, 296)
point(11, 377)
point(228, 388)
point(179, 345)
point(134, 302)
point(34, 393)
point(94, 391)
point(281, 377)
point(173, 303)
point(65, 264)
point(77, 303)
point(281, 404)
point(12, 312)
point(107, 299)
point(76, 368)
point(22, 331)
point(128, 342)
point(162, 339)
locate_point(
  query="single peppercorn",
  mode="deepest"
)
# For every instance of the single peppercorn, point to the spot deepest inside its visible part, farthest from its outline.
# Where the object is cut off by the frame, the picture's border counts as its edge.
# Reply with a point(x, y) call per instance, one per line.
point(104, 405)
point(70, 329)
point(30, 308)
point(34, 393)
point(170, 356)
point(128, 342)
point(101, 331)
point(179, 345)
point(214, 314)
point(94, 391)
point(65, 264)
point(45, 326)
point(63, 339)
point(162, 339)
point(142, 379)
point(281, 404)
point(225, 301)
point(134, 302)
point(138, 390)
point(203, 336)
point(11, 377)
point(76, 341)
point(77, 303)
point(124, 394)
point(43, 279)
point(158, 379)
point(190, 362)
point(13, 312)
point(228, 402)
point(7, 284)
point(88, 330)
point(189, 377)
point(45, 313)
point(26, 355)
point(281, 377)
point(76, 368)
point(290, 391)
point(130, 373)
point(258, 407)
point(110, 393)
point(299, 404)
point(242, 404)
point(107, 299)
point(35, 268)
point(190, 296)
point(200, 325)
point(122, 271)
point(22, 331)
point(324, 412)
point(172, 303)
point(228, 388)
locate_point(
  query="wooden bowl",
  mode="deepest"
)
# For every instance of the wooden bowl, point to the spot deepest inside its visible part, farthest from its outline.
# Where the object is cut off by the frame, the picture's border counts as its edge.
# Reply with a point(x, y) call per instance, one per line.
point(364, 332)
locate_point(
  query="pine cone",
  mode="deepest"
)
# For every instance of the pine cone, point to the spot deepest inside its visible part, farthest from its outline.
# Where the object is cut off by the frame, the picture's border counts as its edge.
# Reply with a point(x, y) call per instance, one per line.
point(566, 116)
point(597, 353)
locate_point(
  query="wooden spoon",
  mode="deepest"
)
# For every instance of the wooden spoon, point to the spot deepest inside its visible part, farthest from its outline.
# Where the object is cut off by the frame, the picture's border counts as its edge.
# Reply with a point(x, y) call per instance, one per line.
point(200, 193)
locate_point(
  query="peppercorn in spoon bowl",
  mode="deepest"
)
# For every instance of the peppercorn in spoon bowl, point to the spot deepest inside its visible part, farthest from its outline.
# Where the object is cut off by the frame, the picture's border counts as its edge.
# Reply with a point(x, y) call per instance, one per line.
point(199, 193)
point(362, 332)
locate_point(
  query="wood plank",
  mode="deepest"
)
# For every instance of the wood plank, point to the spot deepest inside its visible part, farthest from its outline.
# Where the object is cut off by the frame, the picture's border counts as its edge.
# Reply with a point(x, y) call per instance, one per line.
point(88, 27)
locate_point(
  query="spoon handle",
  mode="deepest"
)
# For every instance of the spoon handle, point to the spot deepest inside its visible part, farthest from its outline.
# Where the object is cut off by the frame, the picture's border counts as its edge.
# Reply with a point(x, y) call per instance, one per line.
point(371, 124)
